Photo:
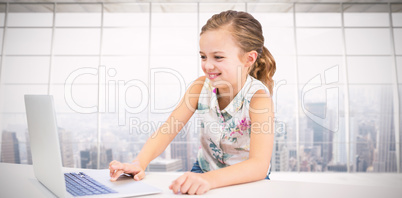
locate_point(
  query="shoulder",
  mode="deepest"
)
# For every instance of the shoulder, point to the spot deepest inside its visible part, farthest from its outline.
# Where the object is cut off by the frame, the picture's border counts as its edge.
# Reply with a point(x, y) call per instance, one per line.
point(261, 109)
point(201, 79)
point(257, 85)
point(197, 85)
point(261, 100)
point(258, 94)
point(192, 95)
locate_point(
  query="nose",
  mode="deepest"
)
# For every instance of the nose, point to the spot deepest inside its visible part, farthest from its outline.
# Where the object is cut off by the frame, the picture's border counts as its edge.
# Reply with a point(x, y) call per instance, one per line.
point(208, 65)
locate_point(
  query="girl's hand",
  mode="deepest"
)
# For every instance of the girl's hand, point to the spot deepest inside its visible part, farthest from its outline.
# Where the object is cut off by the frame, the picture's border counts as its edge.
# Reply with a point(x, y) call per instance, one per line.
point(190, 183)
point(117, 168)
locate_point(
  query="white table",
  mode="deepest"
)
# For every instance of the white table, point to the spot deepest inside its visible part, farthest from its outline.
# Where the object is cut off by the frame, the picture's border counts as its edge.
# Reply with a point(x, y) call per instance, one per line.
point(19, 181)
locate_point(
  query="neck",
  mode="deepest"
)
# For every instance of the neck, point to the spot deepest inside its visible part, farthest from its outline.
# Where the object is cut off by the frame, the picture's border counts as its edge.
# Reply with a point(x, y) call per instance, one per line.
point(231, 92)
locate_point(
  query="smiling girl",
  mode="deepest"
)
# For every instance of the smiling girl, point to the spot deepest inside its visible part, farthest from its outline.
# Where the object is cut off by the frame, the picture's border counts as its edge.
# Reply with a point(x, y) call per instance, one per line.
point(234, 103)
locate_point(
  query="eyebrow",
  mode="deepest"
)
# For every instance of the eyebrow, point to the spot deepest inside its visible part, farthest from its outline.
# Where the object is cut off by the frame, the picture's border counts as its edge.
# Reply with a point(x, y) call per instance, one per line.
point(213, 52)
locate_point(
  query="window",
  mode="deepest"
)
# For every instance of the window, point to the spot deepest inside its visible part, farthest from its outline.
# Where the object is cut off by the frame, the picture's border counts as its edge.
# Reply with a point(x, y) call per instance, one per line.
point(117, 70)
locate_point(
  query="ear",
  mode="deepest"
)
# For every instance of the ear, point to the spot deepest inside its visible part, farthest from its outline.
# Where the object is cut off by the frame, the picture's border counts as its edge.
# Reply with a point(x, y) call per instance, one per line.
point(251, 57)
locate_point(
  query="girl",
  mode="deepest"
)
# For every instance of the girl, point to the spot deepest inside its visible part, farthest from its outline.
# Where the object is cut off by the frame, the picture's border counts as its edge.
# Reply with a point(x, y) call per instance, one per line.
point(235, 105)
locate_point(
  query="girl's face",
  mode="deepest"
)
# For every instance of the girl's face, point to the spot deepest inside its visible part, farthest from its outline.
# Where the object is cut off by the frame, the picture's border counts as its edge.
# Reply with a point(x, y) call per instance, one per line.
point(220, 59)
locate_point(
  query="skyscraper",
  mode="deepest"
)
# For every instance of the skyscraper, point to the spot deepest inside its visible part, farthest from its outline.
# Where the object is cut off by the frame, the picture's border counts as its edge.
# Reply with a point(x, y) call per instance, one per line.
point(65, 140)
point(322, 138)
point(85, 159)
point(181, 149)
point(280, 155)
point(165, 165)
point(89, 158)
point(10, 152)
point(365, 145)
point(384, 154)
point(28, 147)
point(339, 145)
point(66, 148)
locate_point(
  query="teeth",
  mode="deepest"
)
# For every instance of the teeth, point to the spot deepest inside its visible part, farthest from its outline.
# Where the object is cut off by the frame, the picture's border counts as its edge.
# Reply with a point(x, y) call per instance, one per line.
point(213, 75)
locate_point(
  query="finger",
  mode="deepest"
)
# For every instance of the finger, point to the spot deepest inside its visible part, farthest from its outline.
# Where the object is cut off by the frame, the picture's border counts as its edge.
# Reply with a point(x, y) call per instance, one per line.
point(112, 170)
point(177, 183)
point(114, 161)
point(186, 186)
point(139, 176)
point(201, 190)
point(119, 166)
point(116, 175)
point(111, 164)
point(193, 188)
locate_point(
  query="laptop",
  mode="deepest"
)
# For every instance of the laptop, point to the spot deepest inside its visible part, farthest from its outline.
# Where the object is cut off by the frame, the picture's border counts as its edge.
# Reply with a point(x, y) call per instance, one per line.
point(47, 164)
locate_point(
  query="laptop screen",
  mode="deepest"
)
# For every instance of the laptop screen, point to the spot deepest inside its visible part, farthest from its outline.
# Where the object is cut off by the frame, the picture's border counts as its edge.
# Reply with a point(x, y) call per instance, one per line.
point(45, 148)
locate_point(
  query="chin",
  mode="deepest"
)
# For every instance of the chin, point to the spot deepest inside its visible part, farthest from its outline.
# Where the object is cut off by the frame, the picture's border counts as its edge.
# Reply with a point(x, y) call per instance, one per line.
point(219, 83)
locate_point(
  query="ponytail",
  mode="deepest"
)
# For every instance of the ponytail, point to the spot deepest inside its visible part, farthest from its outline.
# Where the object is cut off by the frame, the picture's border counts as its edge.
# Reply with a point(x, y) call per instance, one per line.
point(264, 69)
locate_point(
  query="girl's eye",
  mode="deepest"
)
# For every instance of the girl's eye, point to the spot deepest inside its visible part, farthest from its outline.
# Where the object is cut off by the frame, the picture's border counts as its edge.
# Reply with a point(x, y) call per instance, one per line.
point(218, 57)
point(203, 57)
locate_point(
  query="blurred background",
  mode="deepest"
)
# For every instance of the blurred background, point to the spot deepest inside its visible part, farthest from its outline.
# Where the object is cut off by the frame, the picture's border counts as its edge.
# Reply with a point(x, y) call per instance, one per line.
point(117, 69)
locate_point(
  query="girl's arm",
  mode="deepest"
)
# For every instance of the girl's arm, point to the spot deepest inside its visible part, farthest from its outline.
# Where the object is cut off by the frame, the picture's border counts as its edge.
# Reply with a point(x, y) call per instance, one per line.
point(161, 138)
point(253, 169)
point(158, 142)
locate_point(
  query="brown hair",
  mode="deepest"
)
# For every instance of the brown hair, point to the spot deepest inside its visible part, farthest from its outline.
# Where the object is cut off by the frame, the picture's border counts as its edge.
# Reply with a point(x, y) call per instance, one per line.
point(247, 31)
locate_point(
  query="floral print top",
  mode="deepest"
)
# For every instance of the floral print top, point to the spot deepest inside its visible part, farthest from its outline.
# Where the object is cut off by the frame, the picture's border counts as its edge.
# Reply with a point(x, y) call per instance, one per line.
point(225, 134)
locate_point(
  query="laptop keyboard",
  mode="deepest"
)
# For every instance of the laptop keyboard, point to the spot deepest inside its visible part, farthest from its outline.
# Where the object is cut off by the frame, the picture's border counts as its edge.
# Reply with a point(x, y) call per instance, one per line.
point(80, 184)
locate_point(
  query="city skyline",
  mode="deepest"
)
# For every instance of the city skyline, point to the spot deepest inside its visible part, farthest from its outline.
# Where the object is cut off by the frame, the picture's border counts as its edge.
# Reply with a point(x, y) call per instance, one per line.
point(317, 152)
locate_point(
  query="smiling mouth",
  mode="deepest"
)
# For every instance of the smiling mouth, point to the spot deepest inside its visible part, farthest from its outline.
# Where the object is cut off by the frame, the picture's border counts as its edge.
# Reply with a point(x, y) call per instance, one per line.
point(213, 76)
